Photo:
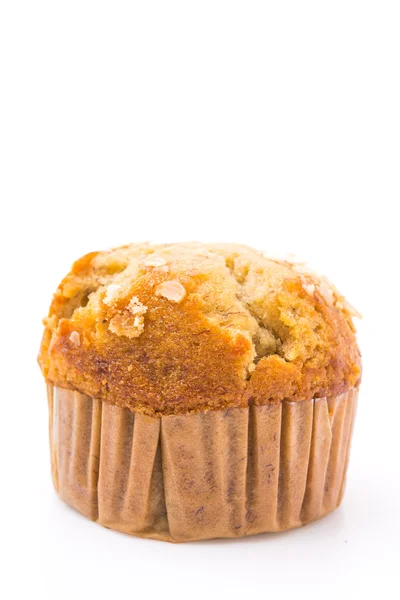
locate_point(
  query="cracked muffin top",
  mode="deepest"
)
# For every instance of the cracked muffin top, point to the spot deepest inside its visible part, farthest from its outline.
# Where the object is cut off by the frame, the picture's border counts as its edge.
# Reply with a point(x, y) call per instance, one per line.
point(177, 328)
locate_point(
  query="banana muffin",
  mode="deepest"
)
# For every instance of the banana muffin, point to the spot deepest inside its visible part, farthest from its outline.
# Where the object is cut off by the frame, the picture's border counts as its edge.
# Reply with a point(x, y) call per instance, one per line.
point(199, 390)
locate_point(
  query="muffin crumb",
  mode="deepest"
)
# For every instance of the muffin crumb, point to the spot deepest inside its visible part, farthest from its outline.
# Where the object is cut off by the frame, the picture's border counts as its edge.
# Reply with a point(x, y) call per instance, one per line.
point(126, 324)
point(136, 307)
point(111, 294)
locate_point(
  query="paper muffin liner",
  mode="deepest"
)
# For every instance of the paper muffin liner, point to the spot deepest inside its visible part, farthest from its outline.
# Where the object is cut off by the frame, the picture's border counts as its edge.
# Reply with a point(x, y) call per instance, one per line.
point(217, 474)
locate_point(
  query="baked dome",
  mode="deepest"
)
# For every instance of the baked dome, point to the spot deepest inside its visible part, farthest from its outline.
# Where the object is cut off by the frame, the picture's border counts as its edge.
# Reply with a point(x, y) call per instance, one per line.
point(177, 328)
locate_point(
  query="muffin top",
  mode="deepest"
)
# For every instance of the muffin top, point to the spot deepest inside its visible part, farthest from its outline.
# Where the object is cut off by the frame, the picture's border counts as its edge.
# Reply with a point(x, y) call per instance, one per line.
point(177, 328)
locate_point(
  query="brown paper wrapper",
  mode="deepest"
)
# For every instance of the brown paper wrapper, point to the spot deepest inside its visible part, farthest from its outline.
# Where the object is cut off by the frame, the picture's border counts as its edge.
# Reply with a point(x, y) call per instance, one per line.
point(217, 474)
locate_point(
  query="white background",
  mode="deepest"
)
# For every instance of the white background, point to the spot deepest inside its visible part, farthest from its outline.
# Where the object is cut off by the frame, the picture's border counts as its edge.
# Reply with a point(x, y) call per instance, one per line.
point(274, 124)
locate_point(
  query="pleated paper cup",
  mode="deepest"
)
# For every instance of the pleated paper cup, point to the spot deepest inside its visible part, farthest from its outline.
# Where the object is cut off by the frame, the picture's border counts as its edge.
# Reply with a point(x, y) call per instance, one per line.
point(217, 474)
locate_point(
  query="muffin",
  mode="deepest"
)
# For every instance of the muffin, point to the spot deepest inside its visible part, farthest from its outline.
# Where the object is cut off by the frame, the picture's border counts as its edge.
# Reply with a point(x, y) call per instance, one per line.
point(199, 391)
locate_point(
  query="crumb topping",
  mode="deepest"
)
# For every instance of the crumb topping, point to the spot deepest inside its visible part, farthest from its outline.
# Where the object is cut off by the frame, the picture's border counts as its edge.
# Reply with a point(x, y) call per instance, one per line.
point(126, 324)
point(111, 294)
point(198, 327)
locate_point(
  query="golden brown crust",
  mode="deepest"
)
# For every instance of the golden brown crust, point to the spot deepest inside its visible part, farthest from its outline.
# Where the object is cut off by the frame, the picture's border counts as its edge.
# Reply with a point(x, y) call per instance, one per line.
point(187, 327)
